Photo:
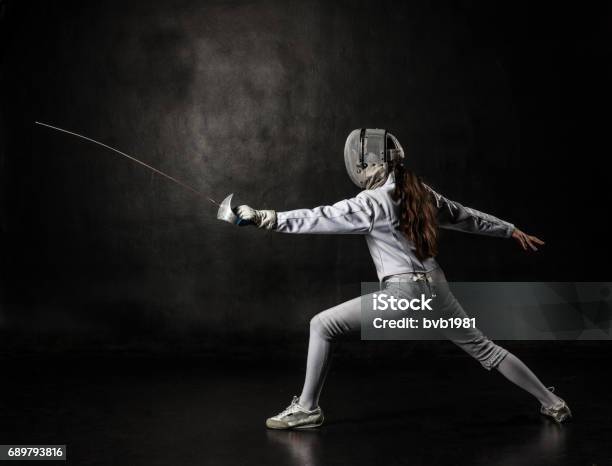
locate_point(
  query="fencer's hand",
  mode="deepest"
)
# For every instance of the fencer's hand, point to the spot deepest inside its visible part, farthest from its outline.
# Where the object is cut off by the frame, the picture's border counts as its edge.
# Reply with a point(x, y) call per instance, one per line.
point(261, 218)
point(526, 241)
point(246, 213)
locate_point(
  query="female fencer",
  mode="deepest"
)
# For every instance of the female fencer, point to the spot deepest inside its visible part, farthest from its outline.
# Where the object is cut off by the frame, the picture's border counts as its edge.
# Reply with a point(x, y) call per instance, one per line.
point(399, 216)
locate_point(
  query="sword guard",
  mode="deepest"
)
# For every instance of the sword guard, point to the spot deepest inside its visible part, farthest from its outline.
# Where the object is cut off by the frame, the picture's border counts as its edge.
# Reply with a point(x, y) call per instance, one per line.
point(227, 214)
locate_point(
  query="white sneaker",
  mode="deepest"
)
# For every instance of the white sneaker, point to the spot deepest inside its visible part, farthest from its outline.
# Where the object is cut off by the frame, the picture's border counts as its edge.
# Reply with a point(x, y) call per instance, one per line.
point(296, 417)
point(559, 412)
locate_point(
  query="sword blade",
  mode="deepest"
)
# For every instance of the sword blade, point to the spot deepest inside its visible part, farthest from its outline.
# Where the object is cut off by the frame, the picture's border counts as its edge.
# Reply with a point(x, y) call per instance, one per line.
point(134, 159)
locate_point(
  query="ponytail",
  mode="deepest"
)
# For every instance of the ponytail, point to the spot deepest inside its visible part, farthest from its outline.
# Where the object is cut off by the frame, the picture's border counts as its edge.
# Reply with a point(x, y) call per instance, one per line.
point(417, 212)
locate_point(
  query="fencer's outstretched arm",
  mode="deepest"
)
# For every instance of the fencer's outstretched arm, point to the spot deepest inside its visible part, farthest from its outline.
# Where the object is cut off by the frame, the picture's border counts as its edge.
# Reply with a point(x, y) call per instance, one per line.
point(454, 216)
point(349, 216)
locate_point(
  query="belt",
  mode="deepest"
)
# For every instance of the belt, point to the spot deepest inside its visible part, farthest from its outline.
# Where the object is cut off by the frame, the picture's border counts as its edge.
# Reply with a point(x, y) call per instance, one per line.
point(410, 276)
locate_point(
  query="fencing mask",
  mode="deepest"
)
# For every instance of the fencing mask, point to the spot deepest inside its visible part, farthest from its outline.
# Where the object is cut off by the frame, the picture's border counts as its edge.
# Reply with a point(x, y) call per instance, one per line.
point(369, 155)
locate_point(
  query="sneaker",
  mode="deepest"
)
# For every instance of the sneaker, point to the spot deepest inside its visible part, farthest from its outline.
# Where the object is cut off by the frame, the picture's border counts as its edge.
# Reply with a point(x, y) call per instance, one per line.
point(296, 417)
point(559, 412)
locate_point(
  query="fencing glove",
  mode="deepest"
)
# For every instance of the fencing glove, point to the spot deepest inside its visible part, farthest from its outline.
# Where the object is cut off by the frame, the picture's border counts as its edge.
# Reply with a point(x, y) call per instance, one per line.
point(261, 218)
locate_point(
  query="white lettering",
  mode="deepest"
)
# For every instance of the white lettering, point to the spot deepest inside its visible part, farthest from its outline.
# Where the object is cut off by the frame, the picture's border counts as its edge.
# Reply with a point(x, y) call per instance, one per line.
point(382, 302)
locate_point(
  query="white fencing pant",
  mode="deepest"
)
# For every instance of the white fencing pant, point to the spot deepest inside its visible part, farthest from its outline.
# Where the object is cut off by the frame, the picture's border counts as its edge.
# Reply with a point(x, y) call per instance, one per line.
point(345, 320)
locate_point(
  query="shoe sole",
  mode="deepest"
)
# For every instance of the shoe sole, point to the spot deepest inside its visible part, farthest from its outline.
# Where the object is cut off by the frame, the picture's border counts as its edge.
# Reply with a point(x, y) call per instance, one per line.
point(308, 426)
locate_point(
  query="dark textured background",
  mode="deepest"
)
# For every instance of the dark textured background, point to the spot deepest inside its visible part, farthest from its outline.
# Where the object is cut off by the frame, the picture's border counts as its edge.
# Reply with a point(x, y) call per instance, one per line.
point(502, 107)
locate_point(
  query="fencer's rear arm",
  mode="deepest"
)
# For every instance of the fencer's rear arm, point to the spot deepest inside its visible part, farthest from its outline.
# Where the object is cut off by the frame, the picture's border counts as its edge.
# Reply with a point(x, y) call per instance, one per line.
point(454, 216)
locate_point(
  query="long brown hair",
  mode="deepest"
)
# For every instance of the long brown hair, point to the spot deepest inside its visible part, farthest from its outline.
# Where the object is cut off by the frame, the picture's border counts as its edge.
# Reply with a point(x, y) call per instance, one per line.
point(417, 212)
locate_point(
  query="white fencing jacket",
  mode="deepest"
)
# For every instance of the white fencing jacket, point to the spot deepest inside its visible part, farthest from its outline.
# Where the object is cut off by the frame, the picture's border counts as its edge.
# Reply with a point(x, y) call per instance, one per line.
point(374, 213)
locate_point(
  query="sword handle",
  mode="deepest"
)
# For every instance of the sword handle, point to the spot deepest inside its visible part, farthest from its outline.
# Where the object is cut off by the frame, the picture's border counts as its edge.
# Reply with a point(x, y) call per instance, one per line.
point(243, 223)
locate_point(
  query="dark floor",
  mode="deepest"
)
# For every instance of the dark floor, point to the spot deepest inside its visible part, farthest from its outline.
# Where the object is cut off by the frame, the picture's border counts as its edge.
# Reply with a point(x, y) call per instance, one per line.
point(132, 410)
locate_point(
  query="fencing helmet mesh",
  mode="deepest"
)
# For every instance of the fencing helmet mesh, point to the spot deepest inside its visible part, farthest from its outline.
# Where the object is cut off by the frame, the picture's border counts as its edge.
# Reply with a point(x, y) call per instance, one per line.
point(369, 155)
